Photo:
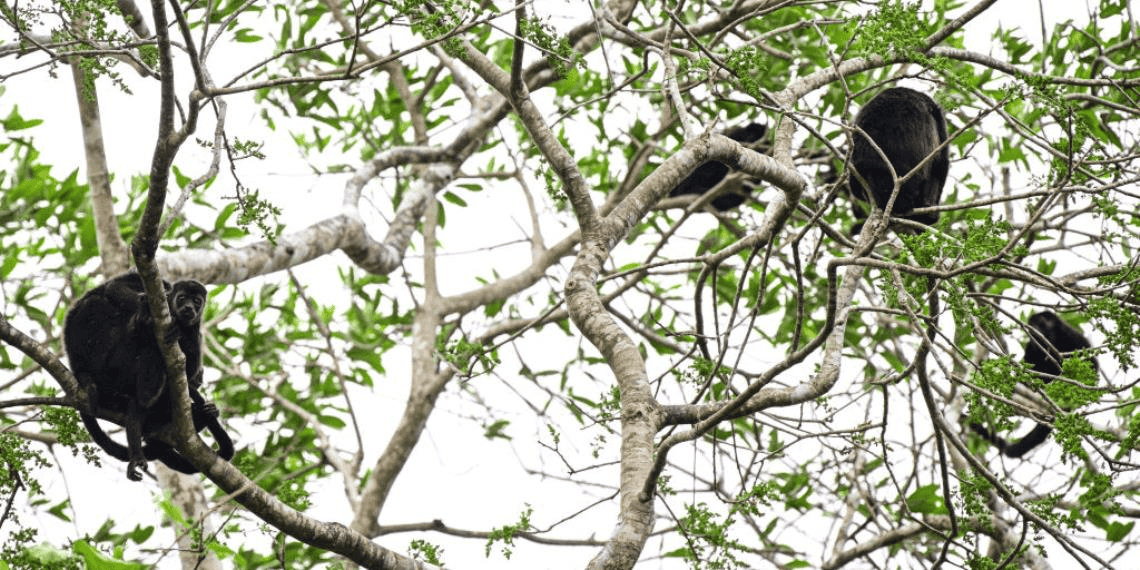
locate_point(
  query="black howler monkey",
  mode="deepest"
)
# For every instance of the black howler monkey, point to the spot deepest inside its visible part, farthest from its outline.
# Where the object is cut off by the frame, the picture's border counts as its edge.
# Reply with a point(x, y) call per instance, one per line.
point(109, 338)
point(1051, 341)
point(709, 174)
point(907, 126)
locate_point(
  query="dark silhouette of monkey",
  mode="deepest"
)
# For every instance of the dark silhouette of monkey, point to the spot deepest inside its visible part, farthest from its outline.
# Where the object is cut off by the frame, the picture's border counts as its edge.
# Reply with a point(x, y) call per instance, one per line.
point(709, 174)
point(907, 126)
point(109, 338)
point(1051, 341)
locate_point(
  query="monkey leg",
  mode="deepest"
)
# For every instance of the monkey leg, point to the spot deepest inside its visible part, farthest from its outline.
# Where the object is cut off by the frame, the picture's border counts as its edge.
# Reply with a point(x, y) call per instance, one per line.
point(133, 426)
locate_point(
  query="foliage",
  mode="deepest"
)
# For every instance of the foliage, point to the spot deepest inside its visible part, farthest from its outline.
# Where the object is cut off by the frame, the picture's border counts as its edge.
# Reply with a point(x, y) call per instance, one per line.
point(435, 306)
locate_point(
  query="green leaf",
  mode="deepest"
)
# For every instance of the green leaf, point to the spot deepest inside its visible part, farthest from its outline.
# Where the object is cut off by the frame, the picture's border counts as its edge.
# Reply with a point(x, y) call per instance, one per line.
point(926, 500)
point(14, 122)
point(497, 430)
point(95, 560)
point(246, 35)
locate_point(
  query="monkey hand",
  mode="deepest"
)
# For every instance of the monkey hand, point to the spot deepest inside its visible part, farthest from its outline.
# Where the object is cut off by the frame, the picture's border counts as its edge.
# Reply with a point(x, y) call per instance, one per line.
point(134, 467)
point(207, 408)
point(141, 319)
point(195, 381)
point(171, 336)
point(92, 390)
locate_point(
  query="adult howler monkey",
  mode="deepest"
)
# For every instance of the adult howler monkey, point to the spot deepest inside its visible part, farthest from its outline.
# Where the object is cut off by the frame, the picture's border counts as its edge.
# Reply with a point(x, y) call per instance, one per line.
point(1051, 341)
point(907, 126)
point(110, 342)
point(709, 174)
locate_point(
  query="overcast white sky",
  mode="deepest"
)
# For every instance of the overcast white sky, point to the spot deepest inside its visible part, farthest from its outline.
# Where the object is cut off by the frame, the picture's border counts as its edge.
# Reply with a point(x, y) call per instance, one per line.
point(128, 122)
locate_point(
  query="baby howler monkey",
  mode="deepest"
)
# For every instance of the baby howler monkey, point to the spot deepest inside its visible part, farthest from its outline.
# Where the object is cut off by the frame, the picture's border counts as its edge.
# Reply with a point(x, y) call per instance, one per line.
point(110, 342)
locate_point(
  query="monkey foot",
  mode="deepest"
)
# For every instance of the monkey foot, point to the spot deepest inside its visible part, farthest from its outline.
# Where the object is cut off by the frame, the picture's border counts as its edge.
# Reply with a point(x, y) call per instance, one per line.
point(133, 469)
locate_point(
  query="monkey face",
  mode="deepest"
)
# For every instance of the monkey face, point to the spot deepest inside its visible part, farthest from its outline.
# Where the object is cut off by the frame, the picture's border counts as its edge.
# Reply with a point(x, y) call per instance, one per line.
point(186, 302)
point(187, 309)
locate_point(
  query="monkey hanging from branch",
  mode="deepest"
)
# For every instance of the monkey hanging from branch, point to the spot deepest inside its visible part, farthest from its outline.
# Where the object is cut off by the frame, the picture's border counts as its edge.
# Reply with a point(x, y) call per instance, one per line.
point(1051, 342)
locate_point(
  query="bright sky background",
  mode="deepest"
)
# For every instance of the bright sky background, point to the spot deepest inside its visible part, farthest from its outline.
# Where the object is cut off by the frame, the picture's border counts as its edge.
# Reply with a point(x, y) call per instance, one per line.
point(129, 127)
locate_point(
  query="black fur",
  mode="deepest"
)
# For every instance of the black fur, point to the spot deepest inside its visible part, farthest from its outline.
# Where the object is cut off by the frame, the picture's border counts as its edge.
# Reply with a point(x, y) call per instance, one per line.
point(204, 414)
point(709, 174)
point(1051, 341)
point(907, 126)
point(109, 338)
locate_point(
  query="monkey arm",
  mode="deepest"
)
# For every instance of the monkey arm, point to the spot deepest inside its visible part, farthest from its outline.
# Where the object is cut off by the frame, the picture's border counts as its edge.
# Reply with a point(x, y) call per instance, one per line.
point(205, 415)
